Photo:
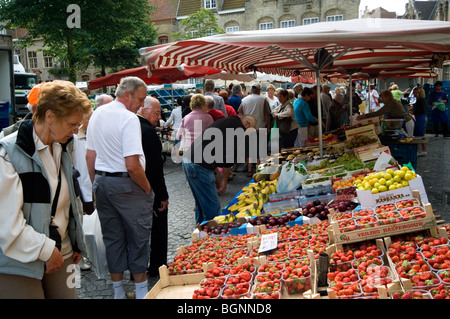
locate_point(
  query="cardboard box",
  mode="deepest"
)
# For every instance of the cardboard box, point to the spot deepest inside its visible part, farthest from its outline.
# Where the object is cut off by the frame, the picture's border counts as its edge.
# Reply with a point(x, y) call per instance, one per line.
point(373, 153)
point(369, 200)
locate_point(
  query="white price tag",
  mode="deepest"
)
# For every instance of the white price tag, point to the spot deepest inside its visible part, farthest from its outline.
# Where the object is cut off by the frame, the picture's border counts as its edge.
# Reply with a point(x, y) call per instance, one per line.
point(268, 242)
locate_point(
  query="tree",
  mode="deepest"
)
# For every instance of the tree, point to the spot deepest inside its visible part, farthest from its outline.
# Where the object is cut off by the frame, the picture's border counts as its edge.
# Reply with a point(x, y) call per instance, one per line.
point(121, 28)
point(106, 32)
point(200, 24)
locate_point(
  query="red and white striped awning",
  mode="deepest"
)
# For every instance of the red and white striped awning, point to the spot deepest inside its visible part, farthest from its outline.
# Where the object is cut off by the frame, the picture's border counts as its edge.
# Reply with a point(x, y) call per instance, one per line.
point(360, 43)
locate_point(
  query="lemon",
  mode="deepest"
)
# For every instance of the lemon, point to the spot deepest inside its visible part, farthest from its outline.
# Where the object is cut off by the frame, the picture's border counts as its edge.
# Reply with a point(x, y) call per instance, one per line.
point(387, 176)
point(405, 183)
point(374, 190)
point(373, 181)
point(399, 186)
point(379, 175)
point(400, 173)
point(360, 188)
point(368, 187)
point(405, 169)
point(390, 171)
point(358, 181)
point(389, 182)
point(382, 188)
point(376, 185)
point(392, 187)
point(397, 178)
point(408, 176)
point(382, 181)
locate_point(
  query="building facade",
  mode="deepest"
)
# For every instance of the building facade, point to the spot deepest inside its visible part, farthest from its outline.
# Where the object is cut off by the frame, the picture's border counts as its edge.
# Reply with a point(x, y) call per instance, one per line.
point(245, 15)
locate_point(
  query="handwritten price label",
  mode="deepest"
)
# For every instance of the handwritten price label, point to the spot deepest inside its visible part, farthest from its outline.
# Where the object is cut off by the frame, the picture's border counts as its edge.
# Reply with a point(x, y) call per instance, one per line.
point(268, 242)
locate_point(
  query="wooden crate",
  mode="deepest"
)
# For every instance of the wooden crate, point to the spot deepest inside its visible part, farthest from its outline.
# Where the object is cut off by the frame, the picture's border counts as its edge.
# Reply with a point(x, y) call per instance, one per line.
point(367, 130)
point(174, 287)
point(381, 231)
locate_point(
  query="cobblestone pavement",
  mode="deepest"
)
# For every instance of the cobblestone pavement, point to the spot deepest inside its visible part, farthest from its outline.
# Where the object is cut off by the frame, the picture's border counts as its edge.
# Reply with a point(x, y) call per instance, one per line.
point(433, 169)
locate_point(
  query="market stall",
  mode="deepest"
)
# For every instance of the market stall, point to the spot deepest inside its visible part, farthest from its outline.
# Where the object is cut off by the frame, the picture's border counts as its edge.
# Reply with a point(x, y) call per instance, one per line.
point(355, 224)
point(367, 44)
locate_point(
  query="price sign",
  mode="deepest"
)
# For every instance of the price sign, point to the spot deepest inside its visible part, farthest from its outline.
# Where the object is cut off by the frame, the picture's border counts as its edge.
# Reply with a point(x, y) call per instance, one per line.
point(268, 242)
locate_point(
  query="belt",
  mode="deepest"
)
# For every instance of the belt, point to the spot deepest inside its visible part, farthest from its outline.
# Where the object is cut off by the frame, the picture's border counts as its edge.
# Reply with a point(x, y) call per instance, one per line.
point(118, 174)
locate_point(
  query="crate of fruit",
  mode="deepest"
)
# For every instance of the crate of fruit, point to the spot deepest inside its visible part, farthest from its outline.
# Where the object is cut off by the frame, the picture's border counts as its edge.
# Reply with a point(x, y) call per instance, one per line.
point(422, 218)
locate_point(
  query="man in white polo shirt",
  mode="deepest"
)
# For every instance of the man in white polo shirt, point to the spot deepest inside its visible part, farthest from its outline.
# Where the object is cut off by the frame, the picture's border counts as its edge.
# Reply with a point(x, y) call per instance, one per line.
point(123, 196)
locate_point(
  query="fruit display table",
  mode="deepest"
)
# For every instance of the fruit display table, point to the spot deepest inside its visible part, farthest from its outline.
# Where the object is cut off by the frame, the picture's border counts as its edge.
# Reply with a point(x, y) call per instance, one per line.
point(365, 234)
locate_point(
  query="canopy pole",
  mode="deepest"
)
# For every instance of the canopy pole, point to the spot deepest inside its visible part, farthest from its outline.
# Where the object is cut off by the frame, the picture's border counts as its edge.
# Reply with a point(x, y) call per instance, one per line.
point(319, 113)
point(351, 100)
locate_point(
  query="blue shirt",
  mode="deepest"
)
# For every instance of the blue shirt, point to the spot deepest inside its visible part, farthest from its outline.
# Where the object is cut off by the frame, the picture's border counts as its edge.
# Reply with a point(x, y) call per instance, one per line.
point(235, 101)
point(303, 113)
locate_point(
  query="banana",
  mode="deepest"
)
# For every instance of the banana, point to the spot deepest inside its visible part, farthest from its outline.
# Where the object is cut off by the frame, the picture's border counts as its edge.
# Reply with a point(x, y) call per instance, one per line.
point(250, 200)
point(272, 188)
point(246, 208)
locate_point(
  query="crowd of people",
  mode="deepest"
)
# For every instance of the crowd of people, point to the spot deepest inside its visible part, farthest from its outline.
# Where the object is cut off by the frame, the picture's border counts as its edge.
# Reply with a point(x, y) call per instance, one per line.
point(66, 159)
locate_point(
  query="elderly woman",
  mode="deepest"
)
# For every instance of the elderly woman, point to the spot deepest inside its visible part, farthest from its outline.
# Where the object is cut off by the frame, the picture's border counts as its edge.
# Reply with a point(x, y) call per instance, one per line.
point(392, 109)
point(338, 112)
point(271, 97)
point(285, 112)
point(41, 233)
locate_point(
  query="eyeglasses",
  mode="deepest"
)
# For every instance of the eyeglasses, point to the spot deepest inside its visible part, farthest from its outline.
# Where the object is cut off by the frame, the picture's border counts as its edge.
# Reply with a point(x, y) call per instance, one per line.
point(75, 126)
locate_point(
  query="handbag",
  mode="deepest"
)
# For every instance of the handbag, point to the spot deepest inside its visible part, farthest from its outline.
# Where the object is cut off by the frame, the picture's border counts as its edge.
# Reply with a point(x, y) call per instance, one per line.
point(284, 124)
point(440, 106)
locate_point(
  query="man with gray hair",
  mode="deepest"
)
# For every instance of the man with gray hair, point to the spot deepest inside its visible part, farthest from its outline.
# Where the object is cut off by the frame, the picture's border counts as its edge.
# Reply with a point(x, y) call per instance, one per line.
point(149, 117)
point(103, 99)
point(216, 114)
point(236, 97)
point(298, 88)
point(219, 104)
point(123, 195)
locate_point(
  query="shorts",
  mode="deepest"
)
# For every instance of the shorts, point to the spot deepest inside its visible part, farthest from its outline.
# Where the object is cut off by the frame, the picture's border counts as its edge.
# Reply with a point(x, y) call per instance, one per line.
point(126, 215)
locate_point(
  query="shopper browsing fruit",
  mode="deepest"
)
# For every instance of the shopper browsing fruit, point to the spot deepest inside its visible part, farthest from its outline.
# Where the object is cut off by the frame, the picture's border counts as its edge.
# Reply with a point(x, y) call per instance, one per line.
point(123, 195)
point(215, 148)
point(392, 109)
point(41, 231)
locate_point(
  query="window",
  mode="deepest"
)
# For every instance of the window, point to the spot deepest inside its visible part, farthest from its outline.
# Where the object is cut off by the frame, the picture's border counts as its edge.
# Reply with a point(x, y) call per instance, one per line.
point(194, 80)
point(210, 4)
point(337, 17)
point(266, 26)
point(287, 23)
point(32, 59)
point(310, 20)
point(163, 39)
point(232, 29)
point(446, 73)
point(48, 60)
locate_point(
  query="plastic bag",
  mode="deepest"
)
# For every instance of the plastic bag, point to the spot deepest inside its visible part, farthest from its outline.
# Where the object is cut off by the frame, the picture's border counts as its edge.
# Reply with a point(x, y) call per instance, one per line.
point(95, 247)
point(291, 177)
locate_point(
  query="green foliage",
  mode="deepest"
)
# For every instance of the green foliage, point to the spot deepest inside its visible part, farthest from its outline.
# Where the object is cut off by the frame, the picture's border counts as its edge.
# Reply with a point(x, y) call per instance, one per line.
point(110, 34)
point(200, 24)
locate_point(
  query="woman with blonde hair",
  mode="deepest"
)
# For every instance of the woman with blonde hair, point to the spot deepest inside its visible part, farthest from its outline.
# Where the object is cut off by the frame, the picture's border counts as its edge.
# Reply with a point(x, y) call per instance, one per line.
point(271, 97)
point(42, 232)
